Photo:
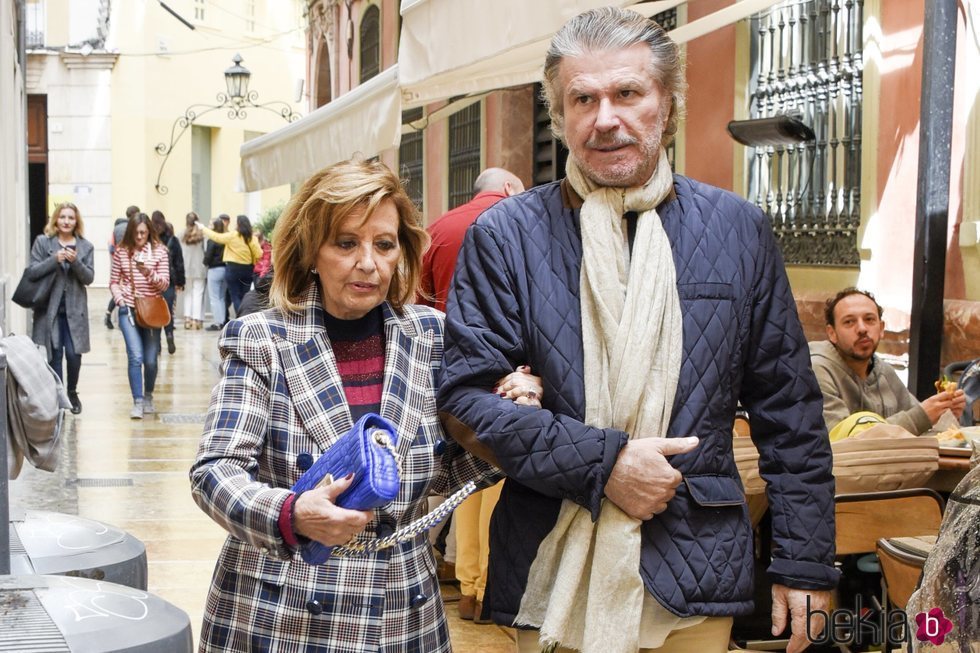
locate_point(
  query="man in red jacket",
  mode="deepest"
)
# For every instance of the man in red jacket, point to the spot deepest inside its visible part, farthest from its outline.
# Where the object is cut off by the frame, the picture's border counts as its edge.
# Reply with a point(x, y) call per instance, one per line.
point(472, 517)
point(493, 185)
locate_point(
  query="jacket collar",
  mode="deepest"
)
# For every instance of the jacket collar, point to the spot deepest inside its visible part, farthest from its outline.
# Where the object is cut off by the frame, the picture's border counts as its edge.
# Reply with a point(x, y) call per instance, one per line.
point(52, 243)
point(308, 321)
point(315, 385)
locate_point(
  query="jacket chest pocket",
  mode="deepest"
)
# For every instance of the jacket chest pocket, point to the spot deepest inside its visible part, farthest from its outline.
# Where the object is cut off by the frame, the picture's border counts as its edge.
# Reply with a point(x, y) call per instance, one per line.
point(710, 337)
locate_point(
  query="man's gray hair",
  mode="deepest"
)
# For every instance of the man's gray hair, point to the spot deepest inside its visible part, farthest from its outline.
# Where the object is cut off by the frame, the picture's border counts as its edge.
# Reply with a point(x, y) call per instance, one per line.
point(611, 28)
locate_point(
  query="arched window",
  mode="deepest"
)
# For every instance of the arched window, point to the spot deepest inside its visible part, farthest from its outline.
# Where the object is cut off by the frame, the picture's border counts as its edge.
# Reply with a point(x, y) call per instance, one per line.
point(323, 94)
point(370, 43)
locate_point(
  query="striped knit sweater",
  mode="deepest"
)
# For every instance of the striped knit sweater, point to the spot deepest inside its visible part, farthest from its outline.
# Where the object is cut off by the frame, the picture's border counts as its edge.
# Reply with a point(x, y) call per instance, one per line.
point(124, 267)
point(358, 346)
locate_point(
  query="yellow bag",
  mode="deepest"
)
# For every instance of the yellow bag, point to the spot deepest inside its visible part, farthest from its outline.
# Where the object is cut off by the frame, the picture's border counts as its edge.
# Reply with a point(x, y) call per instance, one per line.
point(881, 457)
point(854, 424)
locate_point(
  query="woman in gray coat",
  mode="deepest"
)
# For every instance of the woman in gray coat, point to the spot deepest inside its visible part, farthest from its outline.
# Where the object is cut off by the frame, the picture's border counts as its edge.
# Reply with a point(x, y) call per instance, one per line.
point(62, 326)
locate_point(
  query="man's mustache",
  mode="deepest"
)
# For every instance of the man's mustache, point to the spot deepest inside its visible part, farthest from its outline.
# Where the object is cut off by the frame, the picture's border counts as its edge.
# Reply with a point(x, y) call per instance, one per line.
point(609, 141)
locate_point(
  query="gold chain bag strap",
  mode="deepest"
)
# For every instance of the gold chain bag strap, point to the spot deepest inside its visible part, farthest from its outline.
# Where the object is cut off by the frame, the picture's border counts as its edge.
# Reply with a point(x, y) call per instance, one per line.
point(150, 312)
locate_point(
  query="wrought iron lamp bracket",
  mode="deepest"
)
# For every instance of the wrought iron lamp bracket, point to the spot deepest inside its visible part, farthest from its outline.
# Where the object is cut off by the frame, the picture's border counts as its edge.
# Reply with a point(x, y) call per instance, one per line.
point(237, 107)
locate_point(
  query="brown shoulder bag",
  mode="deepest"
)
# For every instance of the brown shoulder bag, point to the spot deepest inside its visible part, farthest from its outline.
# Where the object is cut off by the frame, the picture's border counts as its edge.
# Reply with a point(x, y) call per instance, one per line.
point(150, 312)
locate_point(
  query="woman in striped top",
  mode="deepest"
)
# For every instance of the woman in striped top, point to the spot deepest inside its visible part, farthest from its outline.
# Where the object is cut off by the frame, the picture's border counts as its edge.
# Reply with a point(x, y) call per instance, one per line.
point(242, 252)
point(141, 264)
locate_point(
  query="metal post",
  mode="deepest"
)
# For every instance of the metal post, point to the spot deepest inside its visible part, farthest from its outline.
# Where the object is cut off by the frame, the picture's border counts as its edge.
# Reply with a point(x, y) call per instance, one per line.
point(4, 489)
point(932, 205)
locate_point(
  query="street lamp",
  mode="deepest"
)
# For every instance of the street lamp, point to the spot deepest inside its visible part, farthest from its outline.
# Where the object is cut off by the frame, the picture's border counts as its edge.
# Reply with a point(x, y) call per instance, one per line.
point(236, 79)
point(238, 99)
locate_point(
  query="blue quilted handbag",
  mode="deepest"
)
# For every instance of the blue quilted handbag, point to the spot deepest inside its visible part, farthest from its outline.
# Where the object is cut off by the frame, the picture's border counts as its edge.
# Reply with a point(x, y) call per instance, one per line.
point(368, 450)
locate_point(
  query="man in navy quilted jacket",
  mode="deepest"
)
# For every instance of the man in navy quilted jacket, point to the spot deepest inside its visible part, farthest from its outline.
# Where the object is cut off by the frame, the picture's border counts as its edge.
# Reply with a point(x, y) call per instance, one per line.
point(651, 305)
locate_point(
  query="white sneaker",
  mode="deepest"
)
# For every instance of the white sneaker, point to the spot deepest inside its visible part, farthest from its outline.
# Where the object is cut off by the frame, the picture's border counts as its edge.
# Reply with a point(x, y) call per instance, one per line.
point(148, 407)
point(137, 411)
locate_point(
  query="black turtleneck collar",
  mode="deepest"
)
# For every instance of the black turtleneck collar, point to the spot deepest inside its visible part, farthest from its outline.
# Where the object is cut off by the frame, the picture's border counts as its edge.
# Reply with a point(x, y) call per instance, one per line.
point(356, 329)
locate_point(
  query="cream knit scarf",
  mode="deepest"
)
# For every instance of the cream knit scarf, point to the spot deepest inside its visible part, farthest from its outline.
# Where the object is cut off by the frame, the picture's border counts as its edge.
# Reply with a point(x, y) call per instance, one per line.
point(584, 589)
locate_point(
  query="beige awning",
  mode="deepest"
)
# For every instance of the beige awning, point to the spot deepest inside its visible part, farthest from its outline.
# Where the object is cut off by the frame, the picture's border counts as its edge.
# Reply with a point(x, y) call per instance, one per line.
point(365, 121)
point(448, 48)
point(458, 47)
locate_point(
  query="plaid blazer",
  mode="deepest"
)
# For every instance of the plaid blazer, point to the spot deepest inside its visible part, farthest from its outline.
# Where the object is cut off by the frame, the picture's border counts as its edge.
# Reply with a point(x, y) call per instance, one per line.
point(279, 404)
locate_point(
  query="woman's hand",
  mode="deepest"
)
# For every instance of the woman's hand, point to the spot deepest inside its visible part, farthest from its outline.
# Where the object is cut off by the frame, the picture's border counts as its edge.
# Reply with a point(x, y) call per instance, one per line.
point(317, 517)
point(521, 387)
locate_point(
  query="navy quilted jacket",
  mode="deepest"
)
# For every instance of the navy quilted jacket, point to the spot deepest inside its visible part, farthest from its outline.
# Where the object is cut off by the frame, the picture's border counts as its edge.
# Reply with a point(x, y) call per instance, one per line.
point(515, 300)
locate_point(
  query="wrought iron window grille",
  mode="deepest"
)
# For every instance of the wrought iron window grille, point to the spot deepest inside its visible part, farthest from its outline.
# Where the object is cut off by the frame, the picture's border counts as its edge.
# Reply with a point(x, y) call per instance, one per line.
point(807, 62)
point(464, 153)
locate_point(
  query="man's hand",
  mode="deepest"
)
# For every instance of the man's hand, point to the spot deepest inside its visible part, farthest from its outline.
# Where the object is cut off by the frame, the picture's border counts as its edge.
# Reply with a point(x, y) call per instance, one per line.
point(940, 402)
point(958, 403)
point(642, 481)
point(792, 603)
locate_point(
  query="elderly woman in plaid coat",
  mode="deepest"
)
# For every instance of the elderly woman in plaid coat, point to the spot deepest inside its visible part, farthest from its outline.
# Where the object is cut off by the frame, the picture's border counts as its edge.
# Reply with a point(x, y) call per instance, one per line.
point(341, 340)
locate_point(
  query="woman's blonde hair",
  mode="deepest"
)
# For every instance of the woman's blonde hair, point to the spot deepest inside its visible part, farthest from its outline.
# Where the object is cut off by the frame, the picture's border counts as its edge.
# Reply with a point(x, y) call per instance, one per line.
point(51, 229)
point(314, 215)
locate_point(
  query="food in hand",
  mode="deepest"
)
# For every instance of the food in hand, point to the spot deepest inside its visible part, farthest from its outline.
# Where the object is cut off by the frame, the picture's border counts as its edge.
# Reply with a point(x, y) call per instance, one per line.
point(945, 385)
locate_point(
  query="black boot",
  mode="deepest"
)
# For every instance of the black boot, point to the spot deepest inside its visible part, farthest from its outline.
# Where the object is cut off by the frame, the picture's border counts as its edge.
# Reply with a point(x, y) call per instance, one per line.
point(76, 404)
point(171, 345)
point(108, 320)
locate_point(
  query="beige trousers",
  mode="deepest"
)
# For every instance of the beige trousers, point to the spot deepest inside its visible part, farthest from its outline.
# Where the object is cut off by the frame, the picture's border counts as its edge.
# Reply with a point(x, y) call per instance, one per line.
point(710, 636)
point(472, 521)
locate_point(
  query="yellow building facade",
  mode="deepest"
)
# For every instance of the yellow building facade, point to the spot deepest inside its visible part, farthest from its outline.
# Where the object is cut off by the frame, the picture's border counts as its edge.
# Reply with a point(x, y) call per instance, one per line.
point(131, 105)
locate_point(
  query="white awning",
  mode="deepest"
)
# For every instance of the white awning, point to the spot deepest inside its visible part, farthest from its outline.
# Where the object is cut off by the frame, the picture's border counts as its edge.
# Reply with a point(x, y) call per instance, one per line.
point(448, 48)
point(457, 47)
point(364, 121)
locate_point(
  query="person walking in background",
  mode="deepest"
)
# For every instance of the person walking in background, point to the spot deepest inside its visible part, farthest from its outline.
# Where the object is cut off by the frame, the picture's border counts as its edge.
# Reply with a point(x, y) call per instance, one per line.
point(242, 251)
point(226, 221)
point(472, 517)
point(195, 272)
point(140, 268)
point(165, 232)
point(62, 326)
point(214, 254)
point(264, 264)
point(118, 231)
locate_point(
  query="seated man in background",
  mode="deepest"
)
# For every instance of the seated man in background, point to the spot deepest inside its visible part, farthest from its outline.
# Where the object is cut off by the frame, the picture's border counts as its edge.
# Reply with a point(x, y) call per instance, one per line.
point(854, 379)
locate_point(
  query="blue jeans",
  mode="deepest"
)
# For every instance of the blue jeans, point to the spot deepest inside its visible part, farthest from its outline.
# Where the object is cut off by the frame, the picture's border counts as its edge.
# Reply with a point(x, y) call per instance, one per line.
point(142, 350)
point(216, 293)
point(238, 276)
point(66, 350)
point(170, 296)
